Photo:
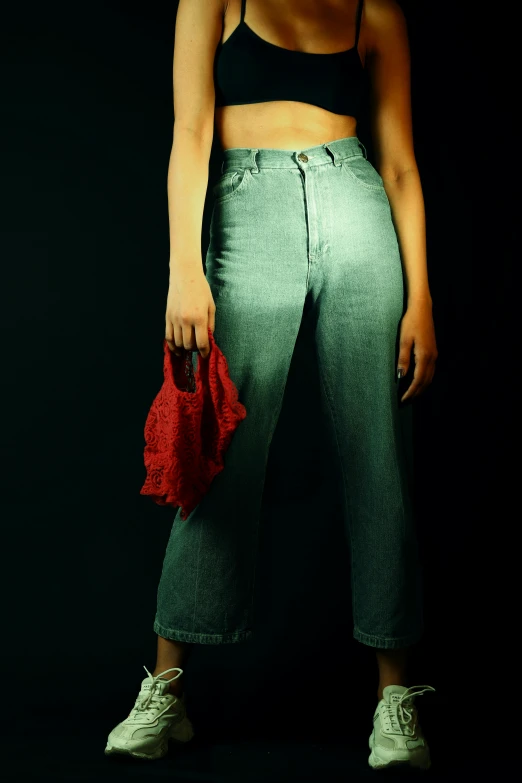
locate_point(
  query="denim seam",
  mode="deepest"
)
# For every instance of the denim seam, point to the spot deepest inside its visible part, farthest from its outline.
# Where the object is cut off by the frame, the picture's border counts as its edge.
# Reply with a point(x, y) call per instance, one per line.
point(347, 499)
point(383, 642)
point(202, 638)
point(197, 577)
point(399, 475)
point(239, 188)
point(347, 170)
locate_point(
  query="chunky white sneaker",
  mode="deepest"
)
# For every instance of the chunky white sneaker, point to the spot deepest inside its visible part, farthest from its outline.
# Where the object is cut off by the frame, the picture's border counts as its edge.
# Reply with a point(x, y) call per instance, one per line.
point(397, 737)
point(156, 717)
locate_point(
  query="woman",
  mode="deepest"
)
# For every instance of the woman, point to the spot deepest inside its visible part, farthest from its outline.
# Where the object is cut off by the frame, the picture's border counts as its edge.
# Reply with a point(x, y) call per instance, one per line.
point(302, 226)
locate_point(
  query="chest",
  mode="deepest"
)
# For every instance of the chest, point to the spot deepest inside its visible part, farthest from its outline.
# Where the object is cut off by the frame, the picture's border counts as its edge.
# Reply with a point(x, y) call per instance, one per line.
point(310, 27)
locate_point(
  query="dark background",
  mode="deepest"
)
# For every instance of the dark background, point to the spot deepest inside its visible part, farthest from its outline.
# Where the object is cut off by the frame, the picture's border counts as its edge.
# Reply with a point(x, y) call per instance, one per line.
point(87, 128)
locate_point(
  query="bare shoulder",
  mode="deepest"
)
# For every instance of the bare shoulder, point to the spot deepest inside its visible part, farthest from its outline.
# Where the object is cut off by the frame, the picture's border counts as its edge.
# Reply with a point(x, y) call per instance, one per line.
point(384, 20)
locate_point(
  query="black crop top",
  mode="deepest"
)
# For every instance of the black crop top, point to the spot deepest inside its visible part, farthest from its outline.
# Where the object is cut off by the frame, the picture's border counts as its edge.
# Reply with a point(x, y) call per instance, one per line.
point(248, 69)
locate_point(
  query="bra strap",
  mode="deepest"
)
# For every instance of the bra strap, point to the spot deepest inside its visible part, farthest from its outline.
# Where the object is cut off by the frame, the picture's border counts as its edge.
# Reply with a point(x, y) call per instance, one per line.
point(358, 22)
point(243, 4)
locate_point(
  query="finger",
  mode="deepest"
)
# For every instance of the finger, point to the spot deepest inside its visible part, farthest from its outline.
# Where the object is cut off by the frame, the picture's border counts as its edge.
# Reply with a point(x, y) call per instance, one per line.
point(404, 358)
point(430, 375)
point(189, 337)
point(413, 390)
point(212, 319)
point(419, 376)
point(430, 372)
point(420, 389)
point(423, 385)
point(424, 381)
point(178, 339)
point(403, 367)
point(202, 340)
point(169, 335)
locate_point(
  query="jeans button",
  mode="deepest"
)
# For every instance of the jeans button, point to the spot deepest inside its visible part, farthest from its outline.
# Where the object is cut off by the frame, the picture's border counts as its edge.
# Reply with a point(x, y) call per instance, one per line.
point(302, 157)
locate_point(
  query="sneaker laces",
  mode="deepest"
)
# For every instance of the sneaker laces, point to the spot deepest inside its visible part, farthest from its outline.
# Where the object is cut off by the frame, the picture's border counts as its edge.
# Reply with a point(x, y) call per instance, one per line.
point(400, 713)
point(152, 698)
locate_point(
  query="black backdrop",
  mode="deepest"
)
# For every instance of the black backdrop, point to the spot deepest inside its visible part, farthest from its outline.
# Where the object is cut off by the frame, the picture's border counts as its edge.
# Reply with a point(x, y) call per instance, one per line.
point(87, 135)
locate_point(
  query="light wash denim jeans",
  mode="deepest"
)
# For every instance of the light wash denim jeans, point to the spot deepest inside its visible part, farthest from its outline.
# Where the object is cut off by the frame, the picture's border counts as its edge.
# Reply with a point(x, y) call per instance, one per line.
point(302, 234)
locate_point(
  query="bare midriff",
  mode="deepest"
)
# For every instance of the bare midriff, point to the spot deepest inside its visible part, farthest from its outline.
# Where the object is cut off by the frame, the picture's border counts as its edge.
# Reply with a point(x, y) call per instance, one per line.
point(290, 125)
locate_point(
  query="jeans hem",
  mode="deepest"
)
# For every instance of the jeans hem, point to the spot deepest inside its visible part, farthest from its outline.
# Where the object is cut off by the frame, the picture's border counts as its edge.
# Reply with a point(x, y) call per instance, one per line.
point(202, 638)
point(387, 643)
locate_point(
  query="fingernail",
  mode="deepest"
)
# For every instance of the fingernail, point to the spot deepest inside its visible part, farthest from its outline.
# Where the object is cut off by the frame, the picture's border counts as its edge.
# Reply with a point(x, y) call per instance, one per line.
point(399, 373)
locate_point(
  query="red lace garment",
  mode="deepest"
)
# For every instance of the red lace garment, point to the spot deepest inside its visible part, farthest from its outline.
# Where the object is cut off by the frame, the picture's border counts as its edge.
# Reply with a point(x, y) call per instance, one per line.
point(189, 428)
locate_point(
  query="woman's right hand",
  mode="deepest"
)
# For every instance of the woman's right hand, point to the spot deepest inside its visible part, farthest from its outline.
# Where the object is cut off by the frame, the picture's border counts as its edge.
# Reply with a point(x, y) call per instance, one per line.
point(190, 311)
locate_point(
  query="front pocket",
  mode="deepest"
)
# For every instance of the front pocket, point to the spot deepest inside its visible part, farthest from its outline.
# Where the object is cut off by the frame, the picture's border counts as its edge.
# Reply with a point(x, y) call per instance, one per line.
point(361, 170)
point(230, 183)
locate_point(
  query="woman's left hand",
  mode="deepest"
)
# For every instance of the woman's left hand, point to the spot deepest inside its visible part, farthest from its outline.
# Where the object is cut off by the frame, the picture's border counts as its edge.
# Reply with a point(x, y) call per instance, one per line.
point(418, 332)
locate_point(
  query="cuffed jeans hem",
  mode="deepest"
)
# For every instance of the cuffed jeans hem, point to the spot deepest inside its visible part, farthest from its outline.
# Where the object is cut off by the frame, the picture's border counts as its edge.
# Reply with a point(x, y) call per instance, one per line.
point(387, 644)
point(202, 638)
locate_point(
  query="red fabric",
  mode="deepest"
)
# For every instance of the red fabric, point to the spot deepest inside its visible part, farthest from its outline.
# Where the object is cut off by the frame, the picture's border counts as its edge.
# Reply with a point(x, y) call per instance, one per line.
point(189, 428)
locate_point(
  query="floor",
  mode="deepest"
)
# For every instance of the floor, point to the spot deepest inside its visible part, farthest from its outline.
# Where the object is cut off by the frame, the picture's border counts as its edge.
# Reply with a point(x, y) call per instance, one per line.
point(249, 753)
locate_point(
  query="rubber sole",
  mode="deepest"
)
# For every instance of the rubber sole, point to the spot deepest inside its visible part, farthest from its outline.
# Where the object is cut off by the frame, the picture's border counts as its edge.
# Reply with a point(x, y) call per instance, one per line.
point(419, 760)
point(179, 734)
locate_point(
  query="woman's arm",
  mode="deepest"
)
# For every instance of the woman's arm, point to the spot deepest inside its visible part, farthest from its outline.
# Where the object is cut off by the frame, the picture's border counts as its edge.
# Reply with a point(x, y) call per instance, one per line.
point(388, 62)
point(392, 136)
point(407, 207)
point(199, 25)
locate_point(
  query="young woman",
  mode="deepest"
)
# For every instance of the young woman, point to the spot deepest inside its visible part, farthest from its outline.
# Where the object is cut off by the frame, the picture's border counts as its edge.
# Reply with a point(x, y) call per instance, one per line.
point(303, 226)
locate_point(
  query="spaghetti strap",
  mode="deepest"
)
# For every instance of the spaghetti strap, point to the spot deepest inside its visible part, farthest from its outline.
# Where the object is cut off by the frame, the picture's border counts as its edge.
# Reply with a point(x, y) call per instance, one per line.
point(243, 4)
point(358, 22)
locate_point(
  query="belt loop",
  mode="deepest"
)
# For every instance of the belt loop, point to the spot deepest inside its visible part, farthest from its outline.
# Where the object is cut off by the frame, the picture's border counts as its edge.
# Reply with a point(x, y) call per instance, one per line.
point(255, 167)
point(364, 148)
point(333, 154)
point(222, 164)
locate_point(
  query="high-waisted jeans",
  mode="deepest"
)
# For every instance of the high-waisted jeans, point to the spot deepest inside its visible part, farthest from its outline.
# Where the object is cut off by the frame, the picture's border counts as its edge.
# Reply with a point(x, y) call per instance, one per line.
point(293, 235)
